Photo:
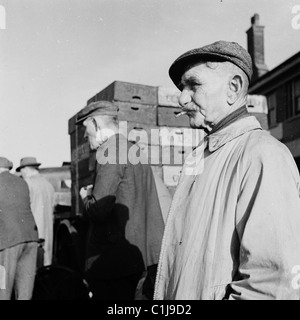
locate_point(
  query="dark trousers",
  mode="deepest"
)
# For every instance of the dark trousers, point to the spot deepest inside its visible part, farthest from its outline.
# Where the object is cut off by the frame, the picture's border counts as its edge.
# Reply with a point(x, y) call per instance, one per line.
point(114, 289)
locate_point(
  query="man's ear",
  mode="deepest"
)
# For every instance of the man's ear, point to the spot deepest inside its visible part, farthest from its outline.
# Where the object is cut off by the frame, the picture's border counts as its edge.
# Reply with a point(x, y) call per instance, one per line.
point(234, 89)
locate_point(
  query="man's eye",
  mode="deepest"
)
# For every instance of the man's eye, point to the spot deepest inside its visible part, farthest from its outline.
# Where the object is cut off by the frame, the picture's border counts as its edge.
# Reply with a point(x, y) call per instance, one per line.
point(194, 85)
point(190, 85)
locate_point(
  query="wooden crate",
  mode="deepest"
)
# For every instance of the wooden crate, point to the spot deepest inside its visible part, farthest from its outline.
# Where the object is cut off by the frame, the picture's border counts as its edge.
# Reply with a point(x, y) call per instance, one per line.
point(158, 170)
point(168, 96)
point(165, 155)
point(137, 112)
point(166, 116)
point(174, 155)
point(127, 92)
point(172, 190)
point(140, 132)
point(171, 175)
point(180, 136)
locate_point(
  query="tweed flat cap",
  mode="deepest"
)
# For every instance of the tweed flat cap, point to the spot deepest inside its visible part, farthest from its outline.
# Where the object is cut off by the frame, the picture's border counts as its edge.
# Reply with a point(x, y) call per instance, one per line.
point(97, 108)
point(5, 163)
point(217, 51)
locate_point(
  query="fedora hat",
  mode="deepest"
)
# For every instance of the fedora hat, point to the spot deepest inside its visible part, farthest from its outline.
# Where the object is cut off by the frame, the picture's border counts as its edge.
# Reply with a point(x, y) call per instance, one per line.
point(28, 162)
point(5, 163)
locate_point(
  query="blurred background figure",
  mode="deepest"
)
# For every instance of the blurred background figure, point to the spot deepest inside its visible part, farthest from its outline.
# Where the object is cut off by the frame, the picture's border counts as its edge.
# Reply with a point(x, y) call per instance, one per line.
point(42, 200)
point(18, 236)
point(122, 206)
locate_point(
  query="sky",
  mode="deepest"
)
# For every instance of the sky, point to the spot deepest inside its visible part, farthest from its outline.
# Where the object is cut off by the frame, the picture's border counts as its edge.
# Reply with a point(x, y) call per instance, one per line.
point(56, 54)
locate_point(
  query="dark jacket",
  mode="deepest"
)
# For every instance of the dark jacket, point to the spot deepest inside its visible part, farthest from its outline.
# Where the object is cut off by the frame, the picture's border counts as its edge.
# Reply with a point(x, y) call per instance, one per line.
point(126, 223)
point(17, 224)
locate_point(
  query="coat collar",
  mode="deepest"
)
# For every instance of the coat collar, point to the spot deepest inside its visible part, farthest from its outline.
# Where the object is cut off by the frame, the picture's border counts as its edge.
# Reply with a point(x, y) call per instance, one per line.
point(218, 139)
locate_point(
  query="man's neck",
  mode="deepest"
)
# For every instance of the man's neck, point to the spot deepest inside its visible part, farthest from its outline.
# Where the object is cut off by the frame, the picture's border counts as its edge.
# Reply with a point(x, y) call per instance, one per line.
point(230, 118)
point(32, 173)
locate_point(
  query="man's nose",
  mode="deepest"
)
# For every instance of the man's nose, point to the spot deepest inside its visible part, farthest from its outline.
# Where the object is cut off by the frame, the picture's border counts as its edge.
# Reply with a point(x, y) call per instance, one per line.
point(185, 97)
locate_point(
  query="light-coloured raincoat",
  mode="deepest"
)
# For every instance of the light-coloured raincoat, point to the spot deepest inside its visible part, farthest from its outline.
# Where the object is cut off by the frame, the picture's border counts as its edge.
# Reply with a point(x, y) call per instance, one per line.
point(233, 231)
point(42, 201)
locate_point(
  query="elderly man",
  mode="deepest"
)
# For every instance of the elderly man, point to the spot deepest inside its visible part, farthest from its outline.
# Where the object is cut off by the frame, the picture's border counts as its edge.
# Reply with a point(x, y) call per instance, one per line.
point(233, 228)
point(18, 236)
point(126, 223)
point(42, 200)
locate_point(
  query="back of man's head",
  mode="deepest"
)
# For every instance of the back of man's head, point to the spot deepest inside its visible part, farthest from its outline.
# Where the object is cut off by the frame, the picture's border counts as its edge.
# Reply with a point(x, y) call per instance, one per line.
point(29, 171)
point(5, 164)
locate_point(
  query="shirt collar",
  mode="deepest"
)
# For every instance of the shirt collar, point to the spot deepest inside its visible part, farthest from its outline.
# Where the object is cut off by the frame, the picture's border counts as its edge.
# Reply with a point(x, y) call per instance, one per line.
point(232, 117)
point(217, 139)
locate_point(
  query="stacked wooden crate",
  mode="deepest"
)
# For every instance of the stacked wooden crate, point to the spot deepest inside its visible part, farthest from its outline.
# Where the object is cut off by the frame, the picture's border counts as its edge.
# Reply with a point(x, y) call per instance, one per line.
point(258, 107)
point(176, 136)
point(147, 115)
point(137, 114)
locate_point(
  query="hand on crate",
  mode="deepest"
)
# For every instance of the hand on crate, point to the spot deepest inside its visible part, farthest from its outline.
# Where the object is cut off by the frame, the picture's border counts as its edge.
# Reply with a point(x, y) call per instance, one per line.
point(86, 191)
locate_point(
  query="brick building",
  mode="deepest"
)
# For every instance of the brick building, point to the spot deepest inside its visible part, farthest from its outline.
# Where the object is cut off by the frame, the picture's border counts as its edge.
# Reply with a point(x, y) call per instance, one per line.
point(281, 86)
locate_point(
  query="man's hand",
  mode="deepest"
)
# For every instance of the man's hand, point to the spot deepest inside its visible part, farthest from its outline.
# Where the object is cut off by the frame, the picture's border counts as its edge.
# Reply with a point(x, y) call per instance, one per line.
point(86, 191)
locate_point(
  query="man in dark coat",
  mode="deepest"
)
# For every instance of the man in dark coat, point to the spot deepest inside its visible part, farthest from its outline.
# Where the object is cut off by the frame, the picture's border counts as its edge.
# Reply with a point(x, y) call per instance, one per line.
point(18, 236)
point(126, 223)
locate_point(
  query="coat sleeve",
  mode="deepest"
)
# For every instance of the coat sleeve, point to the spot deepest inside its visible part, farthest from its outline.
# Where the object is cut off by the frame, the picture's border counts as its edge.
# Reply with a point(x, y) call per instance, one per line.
point(100, 204)
point(268, 227)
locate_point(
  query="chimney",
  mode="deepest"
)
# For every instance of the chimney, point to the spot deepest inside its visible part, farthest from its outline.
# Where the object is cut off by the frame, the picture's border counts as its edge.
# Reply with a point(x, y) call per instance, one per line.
point(255, 37)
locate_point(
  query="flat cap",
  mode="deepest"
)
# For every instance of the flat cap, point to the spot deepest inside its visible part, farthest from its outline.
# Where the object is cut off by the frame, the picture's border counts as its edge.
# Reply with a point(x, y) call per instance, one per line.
point(5, 163)
point(217, 51)
point(98, 108)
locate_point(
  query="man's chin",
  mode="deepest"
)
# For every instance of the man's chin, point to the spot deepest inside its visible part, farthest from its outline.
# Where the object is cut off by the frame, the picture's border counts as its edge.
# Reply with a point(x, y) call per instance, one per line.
point(196, 124)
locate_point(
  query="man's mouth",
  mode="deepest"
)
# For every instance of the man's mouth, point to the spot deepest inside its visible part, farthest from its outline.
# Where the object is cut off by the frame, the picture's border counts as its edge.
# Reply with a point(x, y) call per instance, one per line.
point(189, 111)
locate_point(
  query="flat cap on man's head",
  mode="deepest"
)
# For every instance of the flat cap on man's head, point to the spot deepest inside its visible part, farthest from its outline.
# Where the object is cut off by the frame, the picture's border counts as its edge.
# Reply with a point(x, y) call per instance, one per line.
point(98, 108)
point(5, 163)
point(217, 51)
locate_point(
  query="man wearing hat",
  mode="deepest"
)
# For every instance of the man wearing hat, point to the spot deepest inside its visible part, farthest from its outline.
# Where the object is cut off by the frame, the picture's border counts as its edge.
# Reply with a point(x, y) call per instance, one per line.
point(125, 219)
point(42, 198)
point(18, 236)
point(233, 228)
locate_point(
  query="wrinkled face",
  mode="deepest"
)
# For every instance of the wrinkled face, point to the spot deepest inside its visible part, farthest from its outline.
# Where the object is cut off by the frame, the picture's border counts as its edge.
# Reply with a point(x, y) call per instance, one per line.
point(90, 133)
point(203, 95)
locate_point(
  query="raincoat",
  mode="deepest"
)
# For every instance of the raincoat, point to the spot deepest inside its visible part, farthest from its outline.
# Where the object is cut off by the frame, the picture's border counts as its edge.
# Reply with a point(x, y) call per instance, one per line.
point(233, 230)
point(42, 201)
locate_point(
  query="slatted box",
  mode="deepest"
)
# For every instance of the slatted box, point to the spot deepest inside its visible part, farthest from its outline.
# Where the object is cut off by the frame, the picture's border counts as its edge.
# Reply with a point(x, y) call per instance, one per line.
point(127, 92)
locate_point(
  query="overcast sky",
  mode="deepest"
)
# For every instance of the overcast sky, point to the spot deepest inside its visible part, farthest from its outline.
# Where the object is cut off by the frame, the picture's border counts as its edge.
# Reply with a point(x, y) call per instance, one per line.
point(56, 54)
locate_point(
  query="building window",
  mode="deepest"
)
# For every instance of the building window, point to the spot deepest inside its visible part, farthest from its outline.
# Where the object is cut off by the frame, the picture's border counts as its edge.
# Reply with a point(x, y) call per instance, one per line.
point(272, 109)
point(290, 110)
point(297, 96)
